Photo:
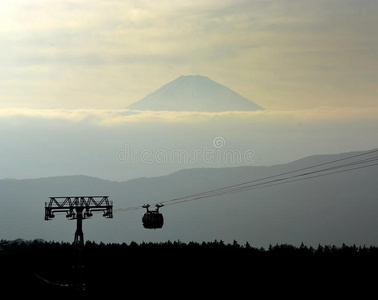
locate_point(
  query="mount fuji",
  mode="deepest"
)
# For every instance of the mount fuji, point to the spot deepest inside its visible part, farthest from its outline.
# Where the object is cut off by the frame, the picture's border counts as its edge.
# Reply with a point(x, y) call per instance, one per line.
point(194, 93)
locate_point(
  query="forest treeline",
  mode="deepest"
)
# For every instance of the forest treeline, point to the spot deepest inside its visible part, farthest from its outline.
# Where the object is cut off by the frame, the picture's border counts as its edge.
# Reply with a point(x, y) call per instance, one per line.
point(195, 269)
point(218, 246)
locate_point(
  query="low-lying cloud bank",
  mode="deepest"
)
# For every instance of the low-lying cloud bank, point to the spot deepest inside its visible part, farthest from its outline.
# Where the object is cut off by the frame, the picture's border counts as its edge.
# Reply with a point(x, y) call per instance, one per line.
point(125, 144)
point(118, 117)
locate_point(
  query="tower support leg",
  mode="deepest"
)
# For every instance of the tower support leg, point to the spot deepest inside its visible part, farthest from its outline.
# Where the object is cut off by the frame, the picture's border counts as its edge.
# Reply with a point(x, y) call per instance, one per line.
point(79, 236)
point(79, 243)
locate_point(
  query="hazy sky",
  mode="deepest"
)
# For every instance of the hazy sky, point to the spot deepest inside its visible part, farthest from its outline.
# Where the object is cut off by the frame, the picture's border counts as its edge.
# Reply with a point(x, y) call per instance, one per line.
point(69, 68)
point(289, 54)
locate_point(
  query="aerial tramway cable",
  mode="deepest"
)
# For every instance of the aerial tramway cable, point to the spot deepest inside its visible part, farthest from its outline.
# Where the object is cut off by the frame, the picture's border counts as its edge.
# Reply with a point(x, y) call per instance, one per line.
point(354, 162)
point(295, 175)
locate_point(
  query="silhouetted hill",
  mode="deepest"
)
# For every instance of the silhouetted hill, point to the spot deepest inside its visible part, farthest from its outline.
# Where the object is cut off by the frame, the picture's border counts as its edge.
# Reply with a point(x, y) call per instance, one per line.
point(334, 209)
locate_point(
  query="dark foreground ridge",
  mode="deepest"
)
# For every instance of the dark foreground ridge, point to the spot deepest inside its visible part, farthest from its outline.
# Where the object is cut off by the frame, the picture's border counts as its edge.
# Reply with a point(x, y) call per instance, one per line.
point(176, 269)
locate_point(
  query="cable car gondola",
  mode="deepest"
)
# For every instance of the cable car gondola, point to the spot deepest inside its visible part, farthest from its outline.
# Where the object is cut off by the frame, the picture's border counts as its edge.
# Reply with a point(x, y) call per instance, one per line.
point(152, 219)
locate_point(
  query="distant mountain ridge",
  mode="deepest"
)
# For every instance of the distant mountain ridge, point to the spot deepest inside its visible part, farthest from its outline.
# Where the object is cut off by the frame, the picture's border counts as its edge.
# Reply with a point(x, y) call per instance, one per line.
point(333, 209)
point(194, 93)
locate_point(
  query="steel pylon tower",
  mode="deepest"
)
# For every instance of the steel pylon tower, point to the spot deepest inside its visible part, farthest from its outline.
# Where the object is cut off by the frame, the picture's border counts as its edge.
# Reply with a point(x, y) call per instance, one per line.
point(79, 208)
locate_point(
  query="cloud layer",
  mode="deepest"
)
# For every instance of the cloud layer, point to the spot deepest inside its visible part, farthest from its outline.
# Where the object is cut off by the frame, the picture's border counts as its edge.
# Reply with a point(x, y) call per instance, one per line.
point(107, 117)
point(124, 144)
point(295, 54)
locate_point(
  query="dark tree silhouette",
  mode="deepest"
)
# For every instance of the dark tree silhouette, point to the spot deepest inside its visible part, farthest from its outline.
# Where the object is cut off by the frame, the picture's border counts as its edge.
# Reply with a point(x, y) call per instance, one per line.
point(169, 269)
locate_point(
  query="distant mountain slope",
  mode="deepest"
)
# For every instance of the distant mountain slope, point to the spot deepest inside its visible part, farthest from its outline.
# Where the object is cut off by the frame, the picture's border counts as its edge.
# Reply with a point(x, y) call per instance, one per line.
point(194, 93)
point(334, 209)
